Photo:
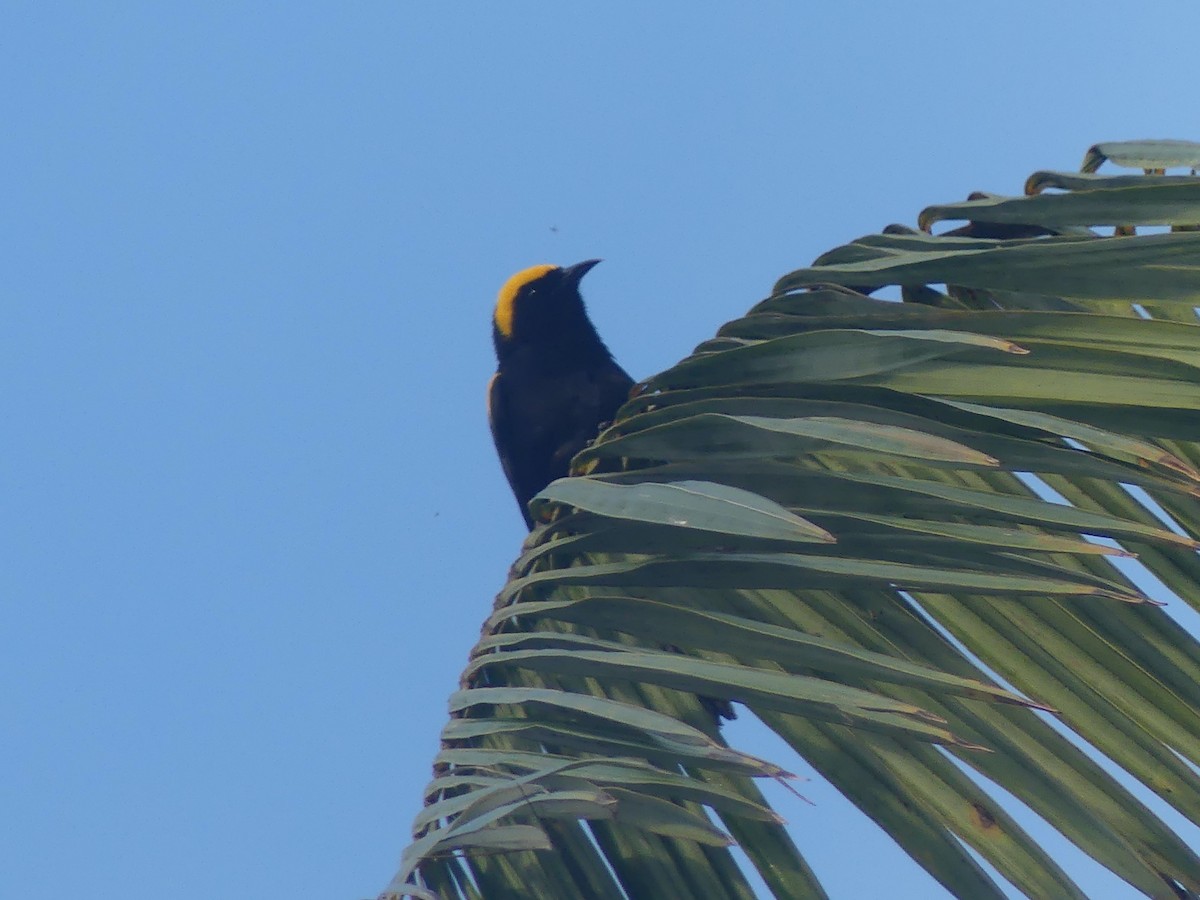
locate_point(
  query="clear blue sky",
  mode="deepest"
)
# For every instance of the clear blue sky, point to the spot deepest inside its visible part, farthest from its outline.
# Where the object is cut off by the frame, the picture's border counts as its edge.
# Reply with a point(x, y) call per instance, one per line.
point(249, 510)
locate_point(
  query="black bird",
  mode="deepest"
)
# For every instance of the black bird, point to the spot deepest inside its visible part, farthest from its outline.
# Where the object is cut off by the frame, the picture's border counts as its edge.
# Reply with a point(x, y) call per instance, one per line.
point(555, 382)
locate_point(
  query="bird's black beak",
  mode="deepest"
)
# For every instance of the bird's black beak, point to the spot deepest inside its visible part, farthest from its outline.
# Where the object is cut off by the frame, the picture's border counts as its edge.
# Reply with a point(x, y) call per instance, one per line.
point(572, 275)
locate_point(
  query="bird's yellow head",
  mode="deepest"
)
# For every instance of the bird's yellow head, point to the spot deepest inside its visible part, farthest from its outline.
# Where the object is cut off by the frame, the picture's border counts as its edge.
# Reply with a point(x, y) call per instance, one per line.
point(540, 299)
point(506, 302)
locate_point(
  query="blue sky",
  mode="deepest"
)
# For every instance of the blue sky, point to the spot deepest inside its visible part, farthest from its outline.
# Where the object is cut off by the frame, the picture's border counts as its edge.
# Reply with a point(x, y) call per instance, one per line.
point(250, 511)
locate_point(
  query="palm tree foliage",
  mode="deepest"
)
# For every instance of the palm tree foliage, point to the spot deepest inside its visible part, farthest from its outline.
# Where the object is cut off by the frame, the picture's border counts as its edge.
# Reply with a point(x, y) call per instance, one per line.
point(846, 515)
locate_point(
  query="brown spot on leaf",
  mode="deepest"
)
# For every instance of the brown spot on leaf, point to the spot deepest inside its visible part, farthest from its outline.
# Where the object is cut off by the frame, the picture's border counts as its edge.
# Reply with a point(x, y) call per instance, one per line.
point(982, 817)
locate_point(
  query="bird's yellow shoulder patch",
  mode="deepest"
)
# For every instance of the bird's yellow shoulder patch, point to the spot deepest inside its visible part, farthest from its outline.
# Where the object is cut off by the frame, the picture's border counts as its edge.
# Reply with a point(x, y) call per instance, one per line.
point(508, 295)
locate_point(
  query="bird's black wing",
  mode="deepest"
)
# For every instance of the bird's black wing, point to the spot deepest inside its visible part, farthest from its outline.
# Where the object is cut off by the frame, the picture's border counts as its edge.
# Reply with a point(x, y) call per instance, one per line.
point(501, 425)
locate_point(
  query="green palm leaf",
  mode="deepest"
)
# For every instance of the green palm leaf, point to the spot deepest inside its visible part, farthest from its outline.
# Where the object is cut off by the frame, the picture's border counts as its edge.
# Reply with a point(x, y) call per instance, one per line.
point(795, 518)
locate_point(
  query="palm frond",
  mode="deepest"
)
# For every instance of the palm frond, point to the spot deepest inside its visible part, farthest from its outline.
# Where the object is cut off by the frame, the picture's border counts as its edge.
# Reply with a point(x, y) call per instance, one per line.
point(842, 514)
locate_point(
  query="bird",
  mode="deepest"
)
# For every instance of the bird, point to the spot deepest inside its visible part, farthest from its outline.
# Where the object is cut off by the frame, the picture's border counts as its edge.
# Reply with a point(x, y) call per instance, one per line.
point(556, 382)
